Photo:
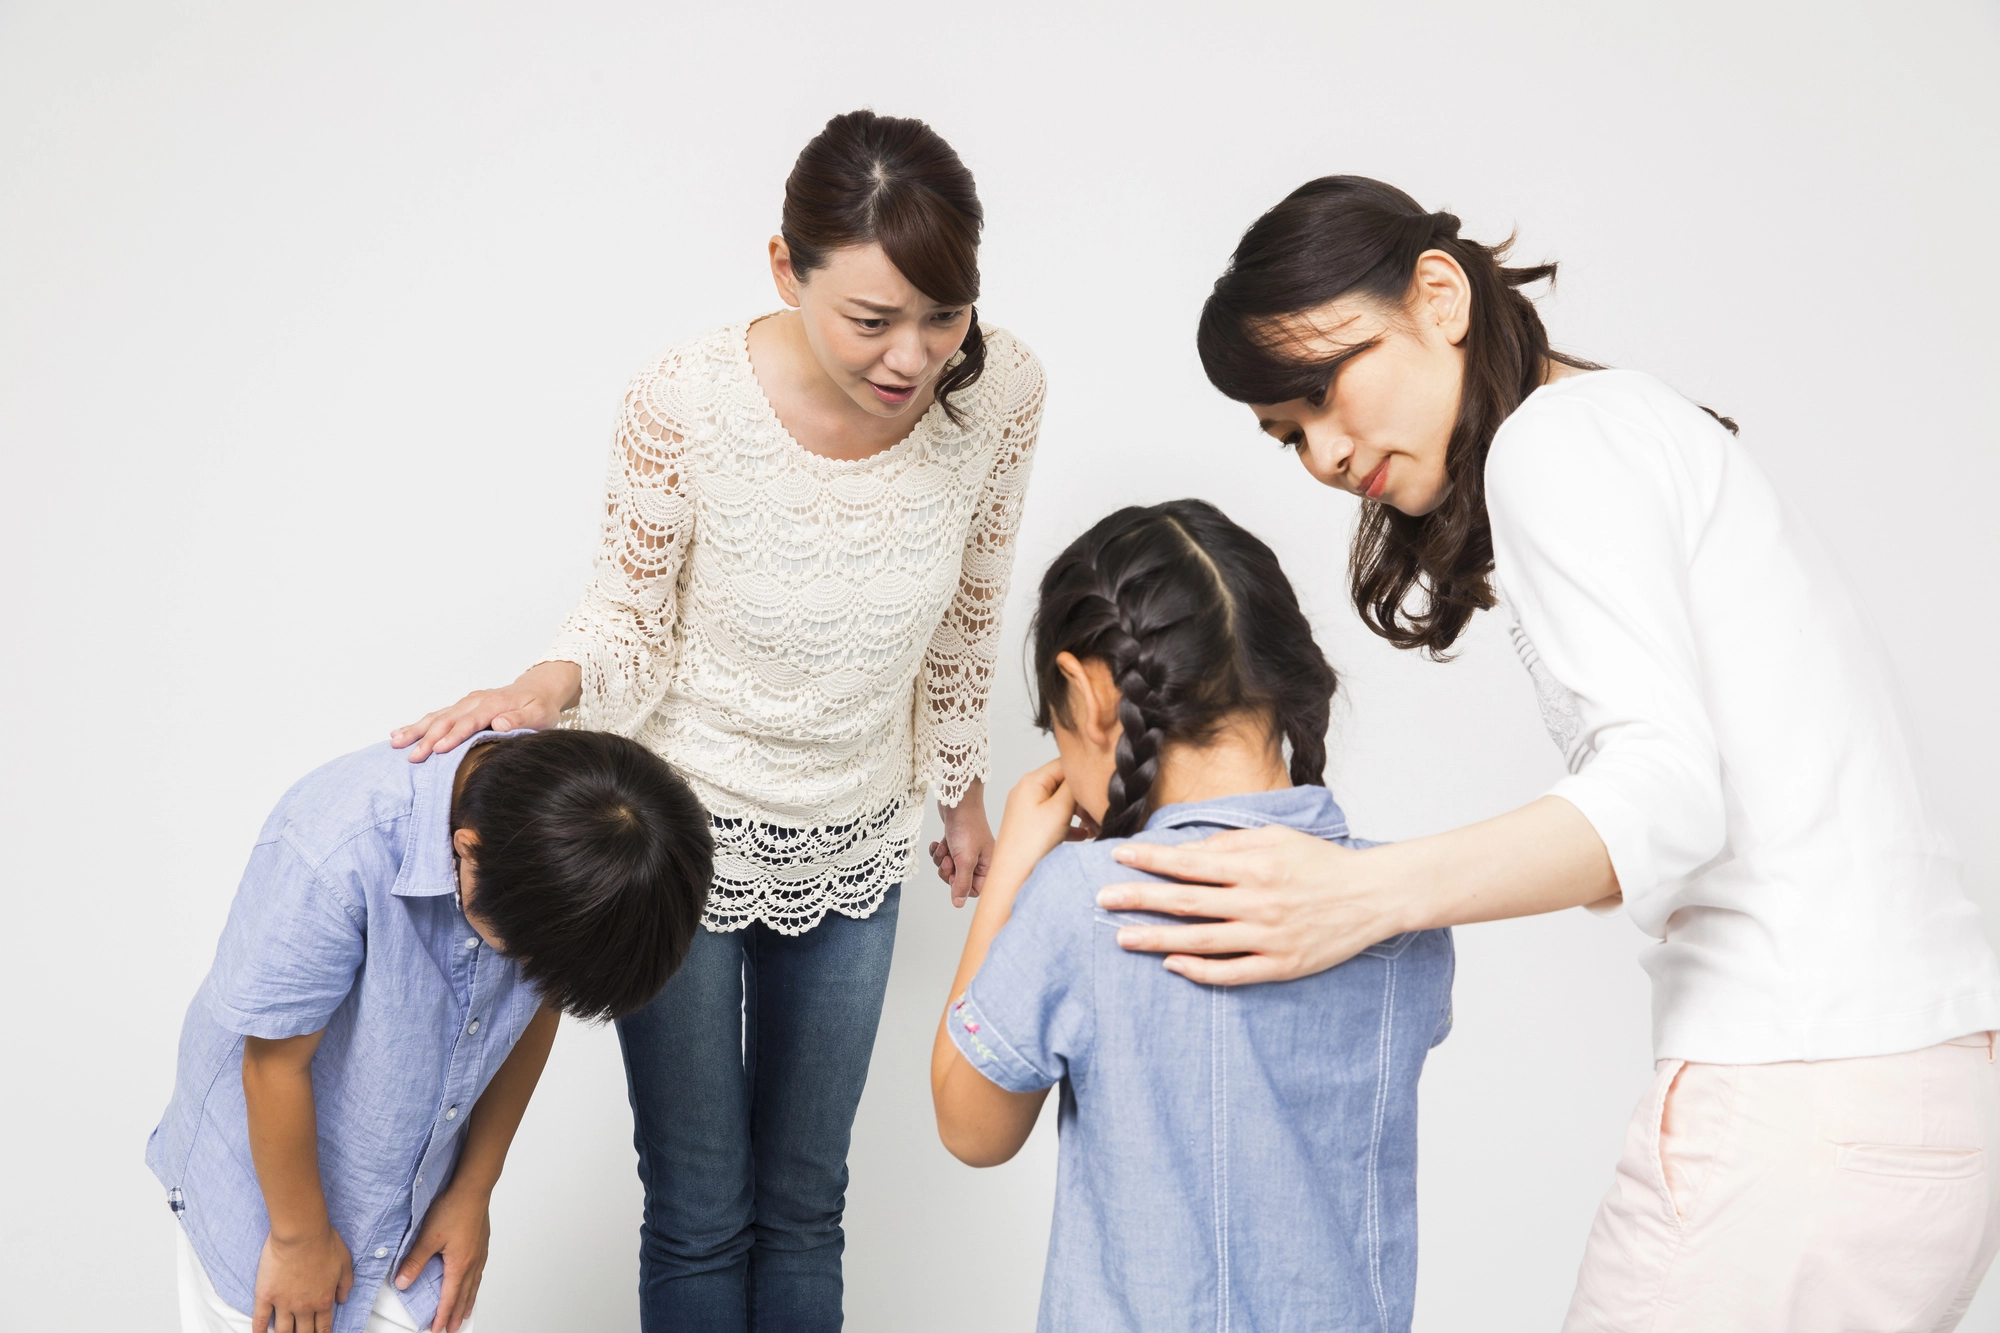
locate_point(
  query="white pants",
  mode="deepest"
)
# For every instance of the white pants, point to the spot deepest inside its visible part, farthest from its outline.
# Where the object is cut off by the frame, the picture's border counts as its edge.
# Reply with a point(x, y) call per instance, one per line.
point(1842, 1196)
point(202, 1311)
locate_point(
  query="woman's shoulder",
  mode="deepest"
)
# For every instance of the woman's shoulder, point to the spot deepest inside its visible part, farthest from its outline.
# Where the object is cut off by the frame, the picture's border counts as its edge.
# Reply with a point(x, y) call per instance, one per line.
point(1016, 370)
point(1568, 429)
point(715, 354)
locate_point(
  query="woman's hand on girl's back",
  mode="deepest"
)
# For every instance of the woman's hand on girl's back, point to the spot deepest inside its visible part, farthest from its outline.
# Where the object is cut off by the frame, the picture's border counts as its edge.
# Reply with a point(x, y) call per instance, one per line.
point(535, 701)
point(1286, 903)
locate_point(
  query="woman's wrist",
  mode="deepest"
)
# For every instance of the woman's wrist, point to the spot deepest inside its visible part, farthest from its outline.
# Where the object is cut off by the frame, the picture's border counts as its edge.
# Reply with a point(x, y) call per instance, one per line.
point(557, 685)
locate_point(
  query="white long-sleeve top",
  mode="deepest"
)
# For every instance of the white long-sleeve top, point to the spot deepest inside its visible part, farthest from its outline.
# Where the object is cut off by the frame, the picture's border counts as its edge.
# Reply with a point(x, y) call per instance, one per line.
point(1731, 733)
point(809, 641)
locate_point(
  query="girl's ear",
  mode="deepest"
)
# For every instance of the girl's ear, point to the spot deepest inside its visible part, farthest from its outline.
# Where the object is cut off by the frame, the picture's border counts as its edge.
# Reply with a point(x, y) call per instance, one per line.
point(1092, 699)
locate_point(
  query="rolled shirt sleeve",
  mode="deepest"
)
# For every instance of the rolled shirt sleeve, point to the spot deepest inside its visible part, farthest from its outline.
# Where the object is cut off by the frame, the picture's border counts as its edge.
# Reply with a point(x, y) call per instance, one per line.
point(289, 952)
point(1027, 1016)
point(1595, 517)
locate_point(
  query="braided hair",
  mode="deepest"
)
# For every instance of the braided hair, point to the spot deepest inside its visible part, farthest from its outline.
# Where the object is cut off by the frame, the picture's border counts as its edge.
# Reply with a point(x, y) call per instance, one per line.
point(1196, 623)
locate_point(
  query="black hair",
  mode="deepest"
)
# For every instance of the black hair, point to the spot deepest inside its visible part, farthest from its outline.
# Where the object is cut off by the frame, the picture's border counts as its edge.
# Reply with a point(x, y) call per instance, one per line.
point(1196, 622)
point(895, 181)
point(1416, 580)
point(593, 864)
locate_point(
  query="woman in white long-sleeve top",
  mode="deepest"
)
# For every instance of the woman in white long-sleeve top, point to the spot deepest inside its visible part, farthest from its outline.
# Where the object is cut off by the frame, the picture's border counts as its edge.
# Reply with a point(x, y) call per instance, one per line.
point(807, 537)
point(1821, 1147)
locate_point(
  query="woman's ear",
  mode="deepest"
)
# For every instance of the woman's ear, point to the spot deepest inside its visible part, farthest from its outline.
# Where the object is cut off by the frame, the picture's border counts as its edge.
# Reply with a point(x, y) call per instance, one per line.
point(465, 844)
point(1093, 699)
point(782, 273)
point(1442, 296)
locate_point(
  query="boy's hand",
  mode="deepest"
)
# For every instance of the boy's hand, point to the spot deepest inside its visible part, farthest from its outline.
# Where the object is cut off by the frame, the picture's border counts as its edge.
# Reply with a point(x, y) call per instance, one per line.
point(458, 1227)
point(1039, 814)
point(299, 1282)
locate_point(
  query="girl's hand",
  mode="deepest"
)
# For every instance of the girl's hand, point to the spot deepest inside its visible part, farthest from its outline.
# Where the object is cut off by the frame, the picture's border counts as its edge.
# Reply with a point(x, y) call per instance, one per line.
point(1041, 815)
point(965, 853)
point(535, 701)
point(300, 1281)
point(458, 1226)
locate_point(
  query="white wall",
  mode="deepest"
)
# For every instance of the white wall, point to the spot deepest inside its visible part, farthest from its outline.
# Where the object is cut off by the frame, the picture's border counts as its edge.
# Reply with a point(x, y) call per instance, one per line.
point(312, 327)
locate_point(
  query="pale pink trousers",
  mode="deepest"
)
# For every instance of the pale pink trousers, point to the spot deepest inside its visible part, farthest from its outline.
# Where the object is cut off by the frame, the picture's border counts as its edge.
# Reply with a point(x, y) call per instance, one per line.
point(1838, 1196)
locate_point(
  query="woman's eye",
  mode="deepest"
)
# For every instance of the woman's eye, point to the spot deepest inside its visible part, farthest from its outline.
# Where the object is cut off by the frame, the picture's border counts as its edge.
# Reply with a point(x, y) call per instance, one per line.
point(1294, 440)
point(1317, 398)
point(872, 325)
point(948, 316)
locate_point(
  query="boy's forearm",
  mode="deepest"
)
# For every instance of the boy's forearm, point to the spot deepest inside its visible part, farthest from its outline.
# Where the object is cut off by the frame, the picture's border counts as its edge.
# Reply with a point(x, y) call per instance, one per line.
point(489, 1133)
point(284, 1134)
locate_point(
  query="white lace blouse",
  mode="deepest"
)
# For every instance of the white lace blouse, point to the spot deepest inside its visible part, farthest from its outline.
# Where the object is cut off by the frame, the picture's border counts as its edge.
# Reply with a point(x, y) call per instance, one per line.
point(809, 641)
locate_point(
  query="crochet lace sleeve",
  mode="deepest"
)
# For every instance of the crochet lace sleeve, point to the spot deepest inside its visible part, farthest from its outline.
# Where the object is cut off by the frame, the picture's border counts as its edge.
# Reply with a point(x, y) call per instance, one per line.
point(955, 687)
point(622, 631)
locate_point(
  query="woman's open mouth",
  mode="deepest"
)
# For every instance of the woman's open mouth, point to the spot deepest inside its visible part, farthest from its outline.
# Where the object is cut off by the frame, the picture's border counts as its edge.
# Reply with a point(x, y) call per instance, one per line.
point(896, 394)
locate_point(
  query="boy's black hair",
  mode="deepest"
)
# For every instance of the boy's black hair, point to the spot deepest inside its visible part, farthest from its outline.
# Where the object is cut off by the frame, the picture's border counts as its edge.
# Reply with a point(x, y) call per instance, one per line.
point(593, 864)
point(1196, 622)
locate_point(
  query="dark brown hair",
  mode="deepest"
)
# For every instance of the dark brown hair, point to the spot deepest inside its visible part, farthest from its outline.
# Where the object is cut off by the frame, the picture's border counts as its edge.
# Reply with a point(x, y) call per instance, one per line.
point(893, 181)
point(1350, 236)
point(593, 864)
point(1196, 621)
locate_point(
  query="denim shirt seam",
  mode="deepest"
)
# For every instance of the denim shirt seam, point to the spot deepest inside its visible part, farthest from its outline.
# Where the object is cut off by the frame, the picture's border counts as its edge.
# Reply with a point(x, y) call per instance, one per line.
point(315, 868)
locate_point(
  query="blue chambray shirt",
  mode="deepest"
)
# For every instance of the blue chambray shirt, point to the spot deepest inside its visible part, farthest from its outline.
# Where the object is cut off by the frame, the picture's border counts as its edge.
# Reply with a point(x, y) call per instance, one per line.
point(1241, 1158)
point(347, 919)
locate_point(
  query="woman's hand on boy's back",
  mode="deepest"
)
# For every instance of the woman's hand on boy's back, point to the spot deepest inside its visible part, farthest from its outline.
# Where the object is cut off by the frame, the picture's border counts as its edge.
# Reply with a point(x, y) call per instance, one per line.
point(300, 1280)
point(536, 701)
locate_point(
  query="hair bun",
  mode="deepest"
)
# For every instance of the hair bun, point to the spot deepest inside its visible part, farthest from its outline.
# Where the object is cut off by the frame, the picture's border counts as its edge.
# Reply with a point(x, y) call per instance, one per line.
point(1444, 226)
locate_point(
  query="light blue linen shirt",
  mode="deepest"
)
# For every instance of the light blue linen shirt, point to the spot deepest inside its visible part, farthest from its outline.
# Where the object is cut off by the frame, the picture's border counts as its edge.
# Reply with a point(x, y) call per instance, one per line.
point(1231, 1158)
point(347, 919)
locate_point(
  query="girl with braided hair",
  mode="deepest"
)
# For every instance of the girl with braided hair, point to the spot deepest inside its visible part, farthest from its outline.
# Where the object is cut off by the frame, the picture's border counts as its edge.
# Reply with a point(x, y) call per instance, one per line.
point(1229, 1157)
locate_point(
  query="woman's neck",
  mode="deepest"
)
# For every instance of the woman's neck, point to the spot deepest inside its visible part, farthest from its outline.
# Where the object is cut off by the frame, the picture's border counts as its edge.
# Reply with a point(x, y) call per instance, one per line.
point(809, 405)
point(1242, 757)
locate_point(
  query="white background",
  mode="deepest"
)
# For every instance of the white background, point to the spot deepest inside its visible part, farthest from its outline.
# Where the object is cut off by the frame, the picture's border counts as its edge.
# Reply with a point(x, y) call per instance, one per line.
point(312, 329)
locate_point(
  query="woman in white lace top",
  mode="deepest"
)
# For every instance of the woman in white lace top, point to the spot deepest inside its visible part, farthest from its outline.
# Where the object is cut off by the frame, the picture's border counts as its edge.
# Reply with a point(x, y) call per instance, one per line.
point(807, 536)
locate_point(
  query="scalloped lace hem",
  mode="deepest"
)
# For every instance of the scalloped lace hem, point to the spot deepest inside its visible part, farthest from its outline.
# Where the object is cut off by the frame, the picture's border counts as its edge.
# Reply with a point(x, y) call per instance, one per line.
point(789, 879)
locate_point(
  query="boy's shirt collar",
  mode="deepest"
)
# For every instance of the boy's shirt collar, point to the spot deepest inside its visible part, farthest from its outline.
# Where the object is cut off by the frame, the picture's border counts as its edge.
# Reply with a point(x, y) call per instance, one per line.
point(1309, 809)
point(427, 869)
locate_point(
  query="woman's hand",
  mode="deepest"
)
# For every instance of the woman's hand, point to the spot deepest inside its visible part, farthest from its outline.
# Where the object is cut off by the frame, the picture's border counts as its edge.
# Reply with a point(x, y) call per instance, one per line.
point(1291, 904)
point(299, 1281)
point(965, 853)
point(535, 701)
point(458, 1227)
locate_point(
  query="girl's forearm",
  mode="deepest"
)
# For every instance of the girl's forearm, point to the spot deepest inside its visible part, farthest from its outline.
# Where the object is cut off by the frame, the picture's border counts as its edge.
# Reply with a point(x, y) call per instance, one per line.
point(981, 1124)
point(1543, 857)
point(489, 1133)
point(284, 1134)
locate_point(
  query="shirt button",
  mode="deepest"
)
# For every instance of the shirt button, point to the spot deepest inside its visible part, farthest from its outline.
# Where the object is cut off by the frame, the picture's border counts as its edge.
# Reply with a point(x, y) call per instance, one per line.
point(474, 1027)
point(420, 1177)
point(382, 1253)
point(472, 943)
point(452, 1114)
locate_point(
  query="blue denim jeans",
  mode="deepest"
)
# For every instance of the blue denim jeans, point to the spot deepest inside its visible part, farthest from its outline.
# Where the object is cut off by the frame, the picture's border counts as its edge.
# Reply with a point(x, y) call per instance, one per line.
point(745, 1075)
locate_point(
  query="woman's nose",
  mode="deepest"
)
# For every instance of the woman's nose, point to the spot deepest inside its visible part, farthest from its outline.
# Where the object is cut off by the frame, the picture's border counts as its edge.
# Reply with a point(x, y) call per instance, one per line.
point(1327, 452)
point(905, 355)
